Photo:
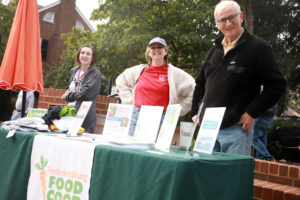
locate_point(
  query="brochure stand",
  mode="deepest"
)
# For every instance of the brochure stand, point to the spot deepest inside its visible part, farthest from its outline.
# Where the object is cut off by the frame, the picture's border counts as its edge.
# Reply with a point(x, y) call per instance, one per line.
point(79, 118)
point(194, 128)
point(118, 119)
point(209, 130)
point(148, 123)
point(168, 127)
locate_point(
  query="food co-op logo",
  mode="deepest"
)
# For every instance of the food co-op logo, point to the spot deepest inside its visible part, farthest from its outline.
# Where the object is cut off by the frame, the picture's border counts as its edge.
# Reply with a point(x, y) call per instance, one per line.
point(185, 133)
point(61, 184)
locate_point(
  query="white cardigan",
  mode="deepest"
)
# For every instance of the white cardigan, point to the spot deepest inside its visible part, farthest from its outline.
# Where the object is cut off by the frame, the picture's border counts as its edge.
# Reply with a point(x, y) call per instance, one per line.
point(181, 86)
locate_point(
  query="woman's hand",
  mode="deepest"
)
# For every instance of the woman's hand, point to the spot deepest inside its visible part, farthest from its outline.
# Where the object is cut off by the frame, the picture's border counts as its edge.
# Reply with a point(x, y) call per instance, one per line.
point(64, 97)
point(194, 119)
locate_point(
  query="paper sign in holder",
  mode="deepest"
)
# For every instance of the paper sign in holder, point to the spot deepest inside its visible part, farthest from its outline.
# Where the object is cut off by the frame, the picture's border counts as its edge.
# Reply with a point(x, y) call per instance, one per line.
point(194, 128)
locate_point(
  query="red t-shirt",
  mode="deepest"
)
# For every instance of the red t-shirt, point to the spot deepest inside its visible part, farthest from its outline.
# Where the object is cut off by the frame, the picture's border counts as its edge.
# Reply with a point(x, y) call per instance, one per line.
point(153, 87)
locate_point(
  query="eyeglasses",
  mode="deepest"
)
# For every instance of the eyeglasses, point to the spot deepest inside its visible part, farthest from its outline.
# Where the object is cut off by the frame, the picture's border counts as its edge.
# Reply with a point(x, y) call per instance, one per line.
point(231, 18)
point(156, 47)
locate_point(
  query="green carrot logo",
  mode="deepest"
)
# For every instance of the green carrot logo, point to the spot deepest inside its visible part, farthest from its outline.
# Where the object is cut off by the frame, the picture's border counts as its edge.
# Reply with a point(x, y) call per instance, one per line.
point(41, 166)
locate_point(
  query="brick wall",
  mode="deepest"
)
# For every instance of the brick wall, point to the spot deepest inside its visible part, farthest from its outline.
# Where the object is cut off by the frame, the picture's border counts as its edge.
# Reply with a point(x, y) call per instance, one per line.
point(53, 97)
point(276, 181)
point(64, 19)
point(277, 173)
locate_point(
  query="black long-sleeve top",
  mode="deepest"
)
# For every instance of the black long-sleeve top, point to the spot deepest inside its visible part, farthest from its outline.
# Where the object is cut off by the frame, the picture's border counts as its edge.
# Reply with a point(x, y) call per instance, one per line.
point(234, 80)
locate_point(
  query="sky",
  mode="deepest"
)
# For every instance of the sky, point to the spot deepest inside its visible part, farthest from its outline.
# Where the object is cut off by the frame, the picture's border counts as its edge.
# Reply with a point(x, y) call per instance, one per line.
point(85, 6)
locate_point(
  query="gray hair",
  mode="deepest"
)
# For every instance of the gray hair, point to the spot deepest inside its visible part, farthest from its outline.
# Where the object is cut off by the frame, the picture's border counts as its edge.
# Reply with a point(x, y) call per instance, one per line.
point(225, 3)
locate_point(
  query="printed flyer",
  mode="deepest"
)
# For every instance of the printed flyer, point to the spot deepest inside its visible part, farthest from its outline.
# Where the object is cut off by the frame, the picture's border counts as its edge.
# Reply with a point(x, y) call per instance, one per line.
point(117, 120)
point(36, 112)
point(148, 123)
point(168, 127)
point(79, 118)
point(209, 130)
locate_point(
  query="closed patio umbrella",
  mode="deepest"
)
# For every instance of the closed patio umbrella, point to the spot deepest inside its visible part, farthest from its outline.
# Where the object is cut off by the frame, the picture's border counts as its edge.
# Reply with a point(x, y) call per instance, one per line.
point(21, 66)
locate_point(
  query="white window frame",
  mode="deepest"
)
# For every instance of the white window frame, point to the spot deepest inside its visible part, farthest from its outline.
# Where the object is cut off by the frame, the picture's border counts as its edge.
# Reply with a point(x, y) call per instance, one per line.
point(79, 25)
point(49, 17)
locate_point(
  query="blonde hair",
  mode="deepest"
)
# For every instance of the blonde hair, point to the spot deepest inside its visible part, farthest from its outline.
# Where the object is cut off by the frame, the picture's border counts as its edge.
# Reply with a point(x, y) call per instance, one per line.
point(149, 60)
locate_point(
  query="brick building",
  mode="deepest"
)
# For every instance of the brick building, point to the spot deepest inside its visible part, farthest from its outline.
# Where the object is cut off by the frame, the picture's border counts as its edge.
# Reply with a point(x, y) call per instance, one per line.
point(55, 19)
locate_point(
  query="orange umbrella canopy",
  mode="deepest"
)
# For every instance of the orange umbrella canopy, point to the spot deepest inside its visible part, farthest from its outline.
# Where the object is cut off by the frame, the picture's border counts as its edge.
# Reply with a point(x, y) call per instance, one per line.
point(21, 66)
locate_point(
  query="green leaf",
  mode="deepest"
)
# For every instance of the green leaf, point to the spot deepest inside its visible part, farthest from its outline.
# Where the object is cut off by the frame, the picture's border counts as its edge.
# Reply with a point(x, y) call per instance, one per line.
point(38, 166)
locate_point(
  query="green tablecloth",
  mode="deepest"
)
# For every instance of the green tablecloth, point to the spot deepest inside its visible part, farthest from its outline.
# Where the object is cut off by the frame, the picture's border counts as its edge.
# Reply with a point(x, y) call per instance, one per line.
point(15, 156)
point(136, 174)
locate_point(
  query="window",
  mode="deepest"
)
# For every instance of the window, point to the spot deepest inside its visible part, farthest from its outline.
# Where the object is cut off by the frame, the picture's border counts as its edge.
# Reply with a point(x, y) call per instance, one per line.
point(44, 48)
point(79, 25)
point(49, 17)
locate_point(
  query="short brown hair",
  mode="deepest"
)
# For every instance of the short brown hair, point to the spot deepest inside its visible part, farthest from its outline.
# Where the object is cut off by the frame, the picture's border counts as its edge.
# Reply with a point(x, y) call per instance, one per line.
point(93, 54)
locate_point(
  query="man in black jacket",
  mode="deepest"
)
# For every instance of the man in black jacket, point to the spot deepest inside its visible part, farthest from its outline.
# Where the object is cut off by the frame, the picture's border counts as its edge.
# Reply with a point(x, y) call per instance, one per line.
point(234, 70)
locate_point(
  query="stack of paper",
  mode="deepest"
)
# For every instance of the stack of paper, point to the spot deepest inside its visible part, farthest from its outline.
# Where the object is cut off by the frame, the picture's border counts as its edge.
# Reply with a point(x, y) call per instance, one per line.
point(118, 141)
point(129, 142)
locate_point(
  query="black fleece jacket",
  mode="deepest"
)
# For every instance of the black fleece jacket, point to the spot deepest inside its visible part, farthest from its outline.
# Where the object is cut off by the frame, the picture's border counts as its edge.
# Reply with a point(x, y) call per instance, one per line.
point(234, 80)
point(89, 90)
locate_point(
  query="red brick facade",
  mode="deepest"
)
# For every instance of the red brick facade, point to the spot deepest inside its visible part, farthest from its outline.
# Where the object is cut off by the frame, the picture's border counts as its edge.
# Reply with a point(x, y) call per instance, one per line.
point(53, 97)
point(276, 181)
point(65, 16)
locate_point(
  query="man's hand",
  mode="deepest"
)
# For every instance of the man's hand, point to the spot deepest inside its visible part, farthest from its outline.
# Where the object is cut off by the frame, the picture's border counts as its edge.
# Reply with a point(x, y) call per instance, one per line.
point(246, 120)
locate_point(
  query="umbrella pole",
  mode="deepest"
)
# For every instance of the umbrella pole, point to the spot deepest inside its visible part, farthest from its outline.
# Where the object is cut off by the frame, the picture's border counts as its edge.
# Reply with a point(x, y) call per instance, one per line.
point(23, 103)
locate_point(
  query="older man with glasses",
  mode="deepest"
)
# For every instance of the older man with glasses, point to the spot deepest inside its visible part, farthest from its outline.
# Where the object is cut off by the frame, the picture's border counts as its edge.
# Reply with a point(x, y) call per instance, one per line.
point(234, 70)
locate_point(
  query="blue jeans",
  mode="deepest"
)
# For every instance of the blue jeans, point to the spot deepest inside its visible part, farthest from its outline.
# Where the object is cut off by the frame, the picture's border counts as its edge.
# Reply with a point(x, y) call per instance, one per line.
point(234, 140)
point(134, 119)
point(262, 125)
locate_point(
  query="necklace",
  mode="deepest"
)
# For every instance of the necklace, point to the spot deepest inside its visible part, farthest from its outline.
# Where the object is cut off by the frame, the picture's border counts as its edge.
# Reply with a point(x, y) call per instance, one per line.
point(79, 77)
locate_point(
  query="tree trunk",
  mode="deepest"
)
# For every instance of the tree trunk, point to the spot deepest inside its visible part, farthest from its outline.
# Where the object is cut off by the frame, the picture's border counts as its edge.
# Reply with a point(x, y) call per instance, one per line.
point(246, 6)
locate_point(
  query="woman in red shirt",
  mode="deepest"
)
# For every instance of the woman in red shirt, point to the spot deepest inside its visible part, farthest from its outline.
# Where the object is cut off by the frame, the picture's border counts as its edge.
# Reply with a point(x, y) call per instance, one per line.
point(157, 83)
